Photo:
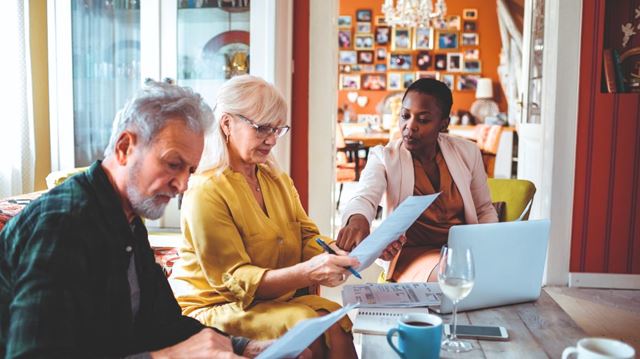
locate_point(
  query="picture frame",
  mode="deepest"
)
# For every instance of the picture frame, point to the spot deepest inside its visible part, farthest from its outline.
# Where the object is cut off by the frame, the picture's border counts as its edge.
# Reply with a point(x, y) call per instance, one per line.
point(473, 66)
point(407, 79)
point(381, 20)
point(374, 82)
point(363, 15)
point(428, 75)
point(470, 39)
point(453, 22)
point(454, 62)
point(470, 14)
point(471, 54)
point(344, 21)
point(448, 80)
point(423, 38)
point(363, 28)
point(349, 82)
point(400, 38)
point(423, 60)
point(347, 58)
point(447, 40)
point(365, 57)
point(440, 62)
point(400, 61)
point(363, 42)
point(344, 38)
point(381, 53)
point(381, 68)
point(394, 81)
point(469, 26)
point(367, 68)
point(440, 24)
point(467, 82)
point(382, 35)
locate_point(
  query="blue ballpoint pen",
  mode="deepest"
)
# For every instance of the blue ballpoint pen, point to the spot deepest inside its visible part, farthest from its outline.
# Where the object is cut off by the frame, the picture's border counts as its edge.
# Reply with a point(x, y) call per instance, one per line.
point(331, 251)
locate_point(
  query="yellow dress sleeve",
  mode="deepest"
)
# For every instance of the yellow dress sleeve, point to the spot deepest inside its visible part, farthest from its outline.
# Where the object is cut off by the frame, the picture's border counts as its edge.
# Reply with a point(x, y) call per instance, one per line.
point(208, 225)
point(309, 230)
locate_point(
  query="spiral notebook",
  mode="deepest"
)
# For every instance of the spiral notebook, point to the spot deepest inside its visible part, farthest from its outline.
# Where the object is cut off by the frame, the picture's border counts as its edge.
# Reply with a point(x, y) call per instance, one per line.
point(378, 321)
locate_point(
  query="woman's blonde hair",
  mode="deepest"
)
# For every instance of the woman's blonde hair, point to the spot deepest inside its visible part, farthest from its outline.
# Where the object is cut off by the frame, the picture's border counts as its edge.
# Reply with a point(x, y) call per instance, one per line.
point(251, 97)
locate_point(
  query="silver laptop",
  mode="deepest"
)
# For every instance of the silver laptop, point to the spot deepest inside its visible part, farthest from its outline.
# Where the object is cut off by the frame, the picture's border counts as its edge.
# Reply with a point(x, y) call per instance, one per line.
point(509, 262)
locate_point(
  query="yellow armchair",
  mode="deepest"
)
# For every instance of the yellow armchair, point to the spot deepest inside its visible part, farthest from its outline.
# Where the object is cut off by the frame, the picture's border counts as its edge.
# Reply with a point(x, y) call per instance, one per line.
point(517, 195)
point(57, 177)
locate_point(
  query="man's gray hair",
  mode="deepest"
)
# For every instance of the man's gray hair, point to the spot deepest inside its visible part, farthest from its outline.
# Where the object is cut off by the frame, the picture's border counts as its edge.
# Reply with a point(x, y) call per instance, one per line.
point(156, 103)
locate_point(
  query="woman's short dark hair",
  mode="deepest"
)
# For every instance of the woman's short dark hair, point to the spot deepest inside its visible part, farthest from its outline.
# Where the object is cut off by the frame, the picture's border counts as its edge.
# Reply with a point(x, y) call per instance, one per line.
point(435, 88)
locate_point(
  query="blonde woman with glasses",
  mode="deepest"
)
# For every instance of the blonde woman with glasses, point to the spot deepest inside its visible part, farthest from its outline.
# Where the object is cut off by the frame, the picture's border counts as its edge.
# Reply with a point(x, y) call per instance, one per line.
point(250, 251)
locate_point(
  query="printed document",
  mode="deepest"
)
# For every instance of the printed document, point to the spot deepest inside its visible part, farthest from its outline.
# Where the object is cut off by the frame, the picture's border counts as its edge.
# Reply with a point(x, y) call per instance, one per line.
point(395, 225)
point(302, 335)
point(397, 295)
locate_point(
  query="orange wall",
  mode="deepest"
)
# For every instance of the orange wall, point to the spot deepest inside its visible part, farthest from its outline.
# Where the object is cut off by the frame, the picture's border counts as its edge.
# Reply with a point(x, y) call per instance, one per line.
point(490, 44)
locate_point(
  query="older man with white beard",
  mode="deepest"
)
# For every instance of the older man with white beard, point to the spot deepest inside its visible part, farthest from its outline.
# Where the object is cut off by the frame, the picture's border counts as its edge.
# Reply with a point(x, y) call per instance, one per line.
point(77, 274)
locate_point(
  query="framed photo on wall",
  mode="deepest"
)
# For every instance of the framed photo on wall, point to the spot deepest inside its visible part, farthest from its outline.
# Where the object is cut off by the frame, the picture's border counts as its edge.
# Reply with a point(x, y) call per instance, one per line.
point(381, 53)
point(365, 57)
point(347, 58)
point(381, 68)
point(423, 60)
point(472, 66)
point(454, 62)
point(467, 82)
point(344, 21)
point(470, 26)
point(428, 75)
point(407, 79)
point(363, 42)
point(440, 62)
point(400, 39)
point(349, 82)
point(363, 28)
point(382, 35)
point(400, 61)
point(394, 81)
point(423, 38)
point(448, 80)
point(363, 15)
point(453, 22)
point(470, 39)
point(374, 82)
point(471, 54)
point(447, 40)
point(344, 38)
point(470, 14)
point(381, 20)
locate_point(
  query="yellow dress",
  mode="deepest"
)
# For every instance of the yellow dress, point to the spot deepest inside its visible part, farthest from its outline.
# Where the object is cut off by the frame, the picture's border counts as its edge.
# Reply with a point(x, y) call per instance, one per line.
point(229, 243)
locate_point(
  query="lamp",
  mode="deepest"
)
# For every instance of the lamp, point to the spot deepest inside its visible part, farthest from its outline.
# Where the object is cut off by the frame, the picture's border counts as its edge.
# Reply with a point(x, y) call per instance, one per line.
point(416, 13)
point(484, 106)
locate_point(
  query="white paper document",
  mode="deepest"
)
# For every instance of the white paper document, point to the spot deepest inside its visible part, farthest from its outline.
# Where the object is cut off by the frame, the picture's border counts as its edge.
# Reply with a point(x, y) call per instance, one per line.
point(395, 225)
point(378, 321)
point(302, 335)
point(396, 295)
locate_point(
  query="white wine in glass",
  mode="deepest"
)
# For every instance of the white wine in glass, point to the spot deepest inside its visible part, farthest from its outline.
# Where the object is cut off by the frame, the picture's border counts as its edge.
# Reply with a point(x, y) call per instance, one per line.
point(455, 276)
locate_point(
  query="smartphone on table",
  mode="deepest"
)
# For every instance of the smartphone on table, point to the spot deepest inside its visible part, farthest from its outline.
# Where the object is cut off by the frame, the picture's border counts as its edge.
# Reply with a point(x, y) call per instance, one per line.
point(478, 332)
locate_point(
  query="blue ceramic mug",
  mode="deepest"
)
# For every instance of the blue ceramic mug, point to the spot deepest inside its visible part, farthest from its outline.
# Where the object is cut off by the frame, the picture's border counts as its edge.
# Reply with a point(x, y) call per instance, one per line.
point(419, 336)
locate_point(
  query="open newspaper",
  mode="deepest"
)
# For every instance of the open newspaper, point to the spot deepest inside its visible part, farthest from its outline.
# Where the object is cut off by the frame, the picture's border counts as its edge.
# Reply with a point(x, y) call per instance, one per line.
point(396, 295)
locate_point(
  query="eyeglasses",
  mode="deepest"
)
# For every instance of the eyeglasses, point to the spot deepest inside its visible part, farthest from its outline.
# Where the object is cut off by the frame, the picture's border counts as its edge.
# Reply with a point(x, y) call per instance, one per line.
point(264, 131)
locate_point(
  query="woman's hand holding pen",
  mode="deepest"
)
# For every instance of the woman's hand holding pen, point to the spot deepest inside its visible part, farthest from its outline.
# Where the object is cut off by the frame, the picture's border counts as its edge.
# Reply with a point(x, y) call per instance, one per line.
point(329, 269)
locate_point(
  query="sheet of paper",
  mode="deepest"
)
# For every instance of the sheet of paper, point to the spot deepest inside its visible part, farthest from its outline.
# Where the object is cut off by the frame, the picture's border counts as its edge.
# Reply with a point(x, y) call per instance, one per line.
point(378, 321)
point(396, 295)
point(395, 225)
point(302, 335)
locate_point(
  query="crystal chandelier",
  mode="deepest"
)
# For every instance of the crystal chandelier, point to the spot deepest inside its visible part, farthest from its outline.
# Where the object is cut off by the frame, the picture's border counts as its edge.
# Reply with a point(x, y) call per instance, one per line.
point(415, 13)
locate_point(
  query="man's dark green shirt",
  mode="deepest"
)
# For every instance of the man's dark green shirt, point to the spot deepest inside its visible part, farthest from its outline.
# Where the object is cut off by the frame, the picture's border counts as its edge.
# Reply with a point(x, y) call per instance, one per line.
point(64, 290)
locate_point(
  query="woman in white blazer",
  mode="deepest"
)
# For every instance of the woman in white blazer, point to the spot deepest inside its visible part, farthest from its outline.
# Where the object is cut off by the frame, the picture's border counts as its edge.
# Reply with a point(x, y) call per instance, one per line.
point(425, 160)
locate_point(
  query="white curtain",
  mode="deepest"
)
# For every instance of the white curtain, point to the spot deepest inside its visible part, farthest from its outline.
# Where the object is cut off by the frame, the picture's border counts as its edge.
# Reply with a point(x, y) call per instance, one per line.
point(17, 160)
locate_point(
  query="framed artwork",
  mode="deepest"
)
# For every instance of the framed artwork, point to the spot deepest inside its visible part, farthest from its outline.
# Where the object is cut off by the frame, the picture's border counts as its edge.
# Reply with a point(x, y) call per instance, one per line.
point(394, 81)
point(423, 38)
point(381, 53)
point(454, 62)
point(471, 54)
point(363, 15)
point(468, 82)
point(400, 38)
point(363, 28)
point(472, 66)
point(423, 60)
point(448, 80)
point(381, 68)
point(344, 21)
point(400, 61)
point(447, 40)
point(470, 39)
point(453, 22)
point(363, 42)
point(355, 67)
point(347, 58)
point(470, 26)
point(365, 57)
point(407, 79)
point(427, 75)
point(382, 35)
point(349, 82)
point(381, 20)
point(367, 68)
point(440, 23)
point(374, 82)
point(344, 38)
point(440, 62)
point(470, 14)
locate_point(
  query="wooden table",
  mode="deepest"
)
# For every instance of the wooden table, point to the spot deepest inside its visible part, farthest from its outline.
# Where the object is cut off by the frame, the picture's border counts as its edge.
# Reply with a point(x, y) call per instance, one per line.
point(538, 329)
point(369, 139)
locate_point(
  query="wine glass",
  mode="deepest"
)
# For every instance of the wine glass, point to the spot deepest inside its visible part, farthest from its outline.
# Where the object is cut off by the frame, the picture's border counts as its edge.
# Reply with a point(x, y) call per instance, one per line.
point(455, 276)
